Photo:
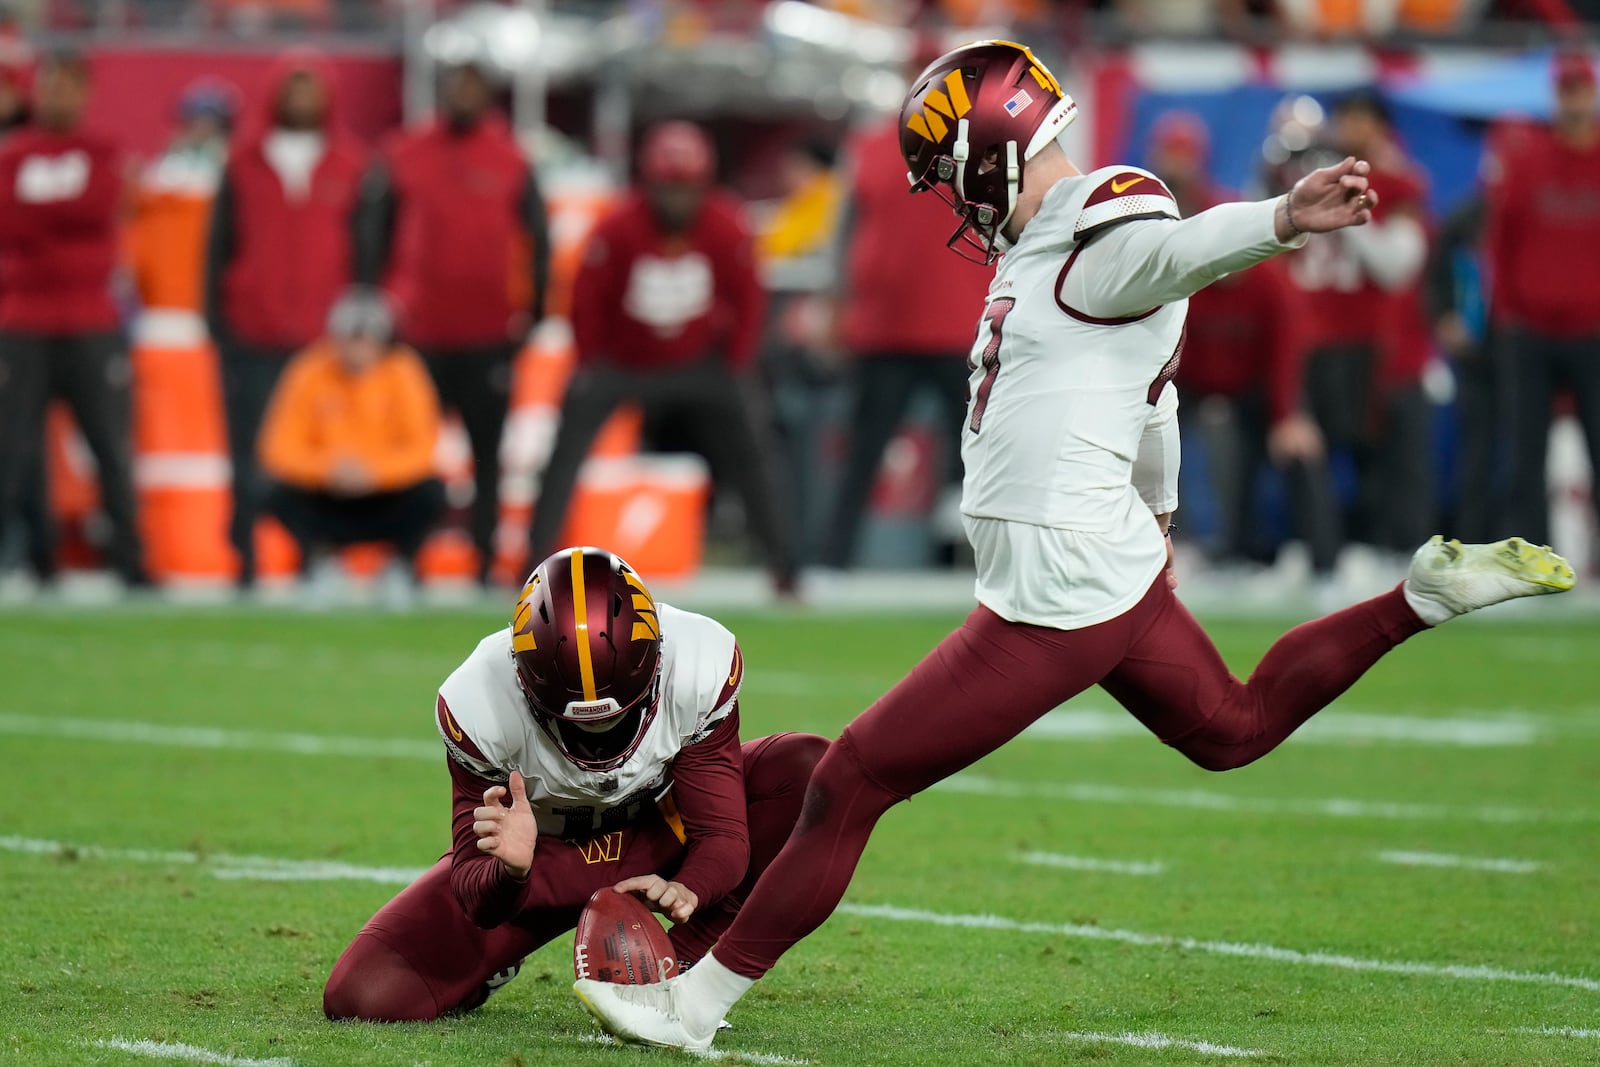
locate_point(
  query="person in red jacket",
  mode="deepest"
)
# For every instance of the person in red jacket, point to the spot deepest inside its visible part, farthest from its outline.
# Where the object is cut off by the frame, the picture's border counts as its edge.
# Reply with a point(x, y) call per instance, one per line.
point(1240, 377)
point(907, 330)
point(453, 225)
point(60, 201)
point(1543, 232)
point(667, 310)
point(278, 256)
point(1369, 340)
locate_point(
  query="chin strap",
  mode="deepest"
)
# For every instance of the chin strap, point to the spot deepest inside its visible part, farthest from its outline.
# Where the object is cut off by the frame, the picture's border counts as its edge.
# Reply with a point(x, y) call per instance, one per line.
point(1013, 185)
point(960, 152)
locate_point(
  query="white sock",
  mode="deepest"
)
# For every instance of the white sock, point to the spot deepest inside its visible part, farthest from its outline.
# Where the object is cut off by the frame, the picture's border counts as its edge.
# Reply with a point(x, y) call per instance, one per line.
point(707, 992)
point(1429, 611)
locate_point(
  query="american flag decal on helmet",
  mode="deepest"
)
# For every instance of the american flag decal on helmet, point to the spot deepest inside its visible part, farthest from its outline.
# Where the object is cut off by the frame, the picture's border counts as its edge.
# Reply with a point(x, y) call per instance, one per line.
point(1018, 103)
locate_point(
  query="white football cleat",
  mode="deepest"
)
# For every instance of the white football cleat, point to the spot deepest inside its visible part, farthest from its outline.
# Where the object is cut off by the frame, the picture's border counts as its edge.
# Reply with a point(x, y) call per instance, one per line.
point(641, 1014)
point(1450, 578)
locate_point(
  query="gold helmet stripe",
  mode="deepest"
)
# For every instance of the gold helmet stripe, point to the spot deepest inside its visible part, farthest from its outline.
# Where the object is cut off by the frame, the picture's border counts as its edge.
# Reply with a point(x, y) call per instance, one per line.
point(580, 616)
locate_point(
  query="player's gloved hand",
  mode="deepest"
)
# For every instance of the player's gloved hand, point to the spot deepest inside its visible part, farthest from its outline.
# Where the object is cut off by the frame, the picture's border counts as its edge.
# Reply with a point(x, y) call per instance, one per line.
point(508, 834)
point(1327, 199)
point(672, 899)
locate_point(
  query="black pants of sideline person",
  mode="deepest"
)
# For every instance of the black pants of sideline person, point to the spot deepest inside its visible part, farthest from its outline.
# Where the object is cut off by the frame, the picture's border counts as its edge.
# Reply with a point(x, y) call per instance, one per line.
point(1485, 394)
point(1385, 430)
point(249, 375)
point(1234, 431)
point(92, 374)
point(882, 386)
point(1540, 366)
point(399, 517)
point(722, 413)
point(476, 382)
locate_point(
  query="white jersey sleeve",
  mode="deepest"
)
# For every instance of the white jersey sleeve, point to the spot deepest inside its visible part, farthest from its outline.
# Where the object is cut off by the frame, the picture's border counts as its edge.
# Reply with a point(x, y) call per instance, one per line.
point(1155, 468)
point(703, 669)
point(1136, 261)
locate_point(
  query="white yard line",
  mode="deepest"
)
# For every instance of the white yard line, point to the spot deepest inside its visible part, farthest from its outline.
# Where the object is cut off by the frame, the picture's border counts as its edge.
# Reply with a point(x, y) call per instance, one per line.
point(1159, 1041)
point(148, 733)
point(1209, 800)
point(1558, 1031)
point(271, 657)
point(273, 869)
point(1335, 725)
point(1471, 863)
point(737, 1055)
point(1091, 863)
point(1465, 971)
point(224, 865)
point(174, 1050)
point(213, 737)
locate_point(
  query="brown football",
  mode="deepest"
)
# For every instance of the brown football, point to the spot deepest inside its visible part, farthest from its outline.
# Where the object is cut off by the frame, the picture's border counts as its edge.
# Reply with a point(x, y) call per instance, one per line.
point(619, 940)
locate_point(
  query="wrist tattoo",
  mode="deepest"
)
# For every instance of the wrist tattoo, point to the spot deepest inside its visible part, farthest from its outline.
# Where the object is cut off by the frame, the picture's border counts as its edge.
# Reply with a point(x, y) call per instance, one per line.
point(1288, 214)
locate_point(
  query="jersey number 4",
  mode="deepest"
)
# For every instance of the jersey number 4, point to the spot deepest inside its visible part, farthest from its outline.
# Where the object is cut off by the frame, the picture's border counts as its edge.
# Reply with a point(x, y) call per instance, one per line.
point(994, 317)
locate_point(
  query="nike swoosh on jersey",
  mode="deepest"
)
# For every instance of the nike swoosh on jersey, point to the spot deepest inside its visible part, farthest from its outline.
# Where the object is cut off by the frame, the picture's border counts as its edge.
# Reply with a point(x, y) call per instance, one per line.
point(1121, 187)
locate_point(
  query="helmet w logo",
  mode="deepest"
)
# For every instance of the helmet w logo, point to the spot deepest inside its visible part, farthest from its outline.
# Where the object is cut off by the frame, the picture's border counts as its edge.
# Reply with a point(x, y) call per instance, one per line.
point(647, 626)
point(951, 102)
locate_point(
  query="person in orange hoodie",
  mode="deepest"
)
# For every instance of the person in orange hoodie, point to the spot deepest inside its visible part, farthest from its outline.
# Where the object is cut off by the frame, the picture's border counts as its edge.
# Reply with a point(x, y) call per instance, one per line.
point(348, 442)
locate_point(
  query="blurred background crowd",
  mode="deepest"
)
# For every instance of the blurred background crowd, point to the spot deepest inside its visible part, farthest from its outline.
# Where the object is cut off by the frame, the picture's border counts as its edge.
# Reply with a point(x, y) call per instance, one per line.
point(405, 289)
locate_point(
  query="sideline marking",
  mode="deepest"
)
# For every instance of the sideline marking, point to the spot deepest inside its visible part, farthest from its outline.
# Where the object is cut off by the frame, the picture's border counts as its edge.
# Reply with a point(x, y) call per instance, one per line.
point(1466, 971)
point(1091, 863)
point(1471, 863)
point(1152, 1040)
point(268, 868)
point(1332, 726)
point(737, 1055)
point(177, 1050)
point(222, 864)
point(1208, 800)
point(1558, 1031)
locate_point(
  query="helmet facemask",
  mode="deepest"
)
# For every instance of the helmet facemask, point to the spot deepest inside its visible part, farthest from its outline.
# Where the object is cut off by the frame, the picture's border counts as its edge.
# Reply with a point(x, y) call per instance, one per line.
point(597, 735)
point(977, 238)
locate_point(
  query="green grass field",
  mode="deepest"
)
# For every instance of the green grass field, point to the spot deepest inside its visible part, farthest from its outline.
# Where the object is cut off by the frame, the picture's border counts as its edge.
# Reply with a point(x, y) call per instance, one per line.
point(149, 755)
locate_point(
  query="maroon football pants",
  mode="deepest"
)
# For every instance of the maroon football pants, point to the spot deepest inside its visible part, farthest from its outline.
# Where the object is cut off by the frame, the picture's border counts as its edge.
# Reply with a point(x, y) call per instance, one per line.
point(986, 682)
point(420, 957)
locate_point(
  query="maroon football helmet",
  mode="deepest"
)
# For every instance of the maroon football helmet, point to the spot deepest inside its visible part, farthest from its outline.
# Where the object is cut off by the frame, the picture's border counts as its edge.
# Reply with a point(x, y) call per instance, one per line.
point(969, 123)
point(586, 645)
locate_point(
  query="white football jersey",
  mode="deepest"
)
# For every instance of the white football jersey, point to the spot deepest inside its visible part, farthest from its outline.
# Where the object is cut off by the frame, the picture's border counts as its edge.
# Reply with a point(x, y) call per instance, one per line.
point(487, 728)
point(1070, 444)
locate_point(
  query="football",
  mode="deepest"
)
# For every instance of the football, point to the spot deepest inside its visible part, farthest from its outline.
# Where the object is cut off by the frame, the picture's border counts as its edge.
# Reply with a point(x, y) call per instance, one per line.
point(619, 940)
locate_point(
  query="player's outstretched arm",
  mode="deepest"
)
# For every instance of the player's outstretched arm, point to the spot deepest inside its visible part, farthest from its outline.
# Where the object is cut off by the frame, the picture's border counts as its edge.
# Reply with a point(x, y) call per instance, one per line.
point(508, 834)
point(1144, 264)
